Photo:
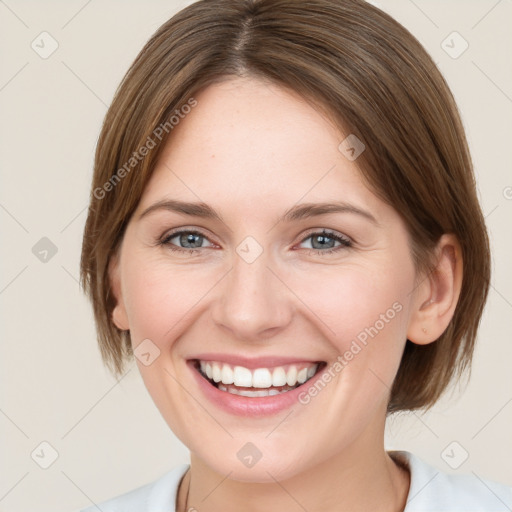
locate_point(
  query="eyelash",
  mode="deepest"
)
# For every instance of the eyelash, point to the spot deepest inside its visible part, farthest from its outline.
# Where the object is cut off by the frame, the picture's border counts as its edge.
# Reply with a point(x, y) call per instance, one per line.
point(344, 241)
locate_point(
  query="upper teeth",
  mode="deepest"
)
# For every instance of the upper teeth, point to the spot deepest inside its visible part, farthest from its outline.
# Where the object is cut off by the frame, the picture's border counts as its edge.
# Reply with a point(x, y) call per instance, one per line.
point(260, 377)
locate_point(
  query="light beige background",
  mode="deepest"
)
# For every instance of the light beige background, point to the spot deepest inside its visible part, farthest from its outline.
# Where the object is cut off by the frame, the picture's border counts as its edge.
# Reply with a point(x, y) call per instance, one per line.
point(108, 435)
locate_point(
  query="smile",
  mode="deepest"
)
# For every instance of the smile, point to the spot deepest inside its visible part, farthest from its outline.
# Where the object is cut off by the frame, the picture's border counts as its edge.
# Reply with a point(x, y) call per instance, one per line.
point(258, 382)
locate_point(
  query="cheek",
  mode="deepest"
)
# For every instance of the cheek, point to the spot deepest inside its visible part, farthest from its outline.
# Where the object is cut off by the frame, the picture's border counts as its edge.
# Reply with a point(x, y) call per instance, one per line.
point(158, 296)
point(365, 311)
point(349, 301)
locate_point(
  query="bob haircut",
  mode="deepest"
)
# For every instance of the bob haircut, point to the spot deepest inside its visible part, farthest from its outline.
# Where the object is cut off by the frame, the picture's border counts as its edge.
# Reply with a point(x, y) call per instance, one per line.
point(366, 73)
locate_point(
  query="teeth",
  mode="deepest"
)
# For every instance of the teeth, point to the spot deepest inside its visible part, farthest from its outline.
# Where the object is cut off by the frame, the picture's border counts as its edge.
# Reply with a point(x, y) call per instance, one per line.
point(302, 376)
point(291, 376)
point(227, 374)
point(216, 371)
point(242, 377)
point(278, 376)
point(260, 378)
point(249, 393)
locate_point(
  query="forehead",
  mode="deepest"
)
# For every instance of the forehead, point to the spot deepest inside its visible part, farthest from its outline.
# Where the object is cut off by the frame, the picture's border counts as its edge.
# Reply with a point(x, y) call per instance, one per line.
point(249, 144)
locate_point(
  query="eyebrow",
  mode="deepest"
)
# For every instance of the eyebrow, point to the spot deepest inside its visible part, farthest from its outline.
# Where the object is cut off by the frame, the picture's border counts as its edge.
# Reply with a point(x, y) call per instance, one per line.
point(297, 212)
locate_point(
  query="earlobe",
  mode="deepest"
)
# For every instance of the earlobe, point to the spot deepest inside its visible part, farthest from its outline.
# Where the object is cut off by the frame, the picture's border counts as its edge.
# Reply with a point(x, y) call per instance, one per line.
point(119, 316)
point(438, 294)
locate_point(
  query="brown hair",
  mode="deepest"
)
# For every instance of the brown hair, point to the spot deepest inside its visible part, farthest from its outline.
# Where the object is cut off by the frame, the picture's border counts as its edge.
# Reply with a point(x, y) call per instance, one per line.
point(372, 78)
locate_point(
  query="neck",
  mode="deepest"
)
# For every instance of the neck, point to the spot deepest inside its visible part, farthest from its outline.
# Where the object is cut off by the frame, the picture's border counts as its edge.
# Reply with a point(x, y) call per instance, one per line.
point(362, 477)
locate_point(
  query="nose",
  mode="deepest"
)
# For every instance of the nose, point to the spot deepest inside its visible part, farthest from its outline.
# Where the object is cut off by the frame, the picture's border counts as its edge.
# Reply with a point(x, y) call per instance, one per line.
point(253, 302)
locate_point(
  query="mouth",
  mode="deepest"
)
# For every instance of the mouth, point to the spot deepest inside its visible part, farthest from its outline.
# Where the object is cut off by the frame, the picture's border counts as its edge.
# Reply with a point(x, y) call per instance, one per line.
point(257, 382)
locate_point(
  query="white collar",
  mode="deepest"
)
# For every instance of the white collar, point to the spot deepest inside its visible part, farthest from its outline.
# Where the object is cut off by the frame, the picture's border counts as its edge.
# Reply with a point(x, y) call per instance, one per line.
point(430, 490)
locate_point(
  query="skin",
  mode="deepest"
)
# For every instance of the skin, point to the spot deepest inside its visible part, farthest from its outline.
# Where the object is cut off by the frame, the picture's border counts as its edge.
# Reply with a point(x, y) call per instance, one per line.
point(251, 151)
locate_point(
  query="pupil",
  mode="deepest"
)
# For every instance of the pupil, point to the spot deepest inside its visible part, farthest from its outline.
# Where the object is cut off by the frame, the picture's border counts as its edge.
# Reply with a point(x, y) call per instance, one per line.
point(323, 239)
point(189, 238)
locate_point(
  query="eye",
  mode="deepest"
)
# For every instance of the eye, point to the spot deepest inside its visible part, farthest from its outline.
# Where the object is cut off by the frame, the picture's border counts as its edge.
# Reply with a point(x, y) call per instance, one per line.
point(324, 242)
point(187, 240)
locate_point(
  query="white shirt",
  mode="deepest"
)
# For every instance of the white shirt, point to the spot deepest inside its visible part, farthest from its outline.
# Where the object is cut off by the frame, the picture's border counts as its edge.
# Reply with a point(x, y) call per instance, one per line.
point(430, 490)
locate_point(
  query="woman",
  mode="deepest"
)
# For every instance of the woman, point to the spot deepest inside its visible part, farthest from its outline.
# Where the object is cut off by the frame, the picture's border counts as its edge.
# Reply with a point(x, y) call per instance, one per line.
point(284, 232)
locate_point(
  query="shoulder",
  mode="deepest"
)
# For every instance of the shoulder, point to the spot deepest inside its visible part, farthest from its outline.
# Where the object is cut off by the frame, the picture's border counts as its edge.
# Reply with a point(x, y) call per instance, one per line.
point(432, 490)
point(156, 496)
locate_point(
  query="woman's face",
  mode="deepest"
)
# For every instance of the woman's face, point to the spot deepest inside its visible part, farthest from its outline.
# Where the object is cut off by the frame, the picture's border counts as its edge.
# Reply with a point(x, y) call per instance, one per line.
point(258, 293)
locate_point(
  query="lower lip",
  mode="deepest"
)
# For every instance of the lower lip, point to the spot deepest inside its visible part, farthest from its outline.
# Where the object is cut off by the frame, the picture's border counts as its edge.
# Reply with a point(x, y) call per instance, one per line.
point(246, 405)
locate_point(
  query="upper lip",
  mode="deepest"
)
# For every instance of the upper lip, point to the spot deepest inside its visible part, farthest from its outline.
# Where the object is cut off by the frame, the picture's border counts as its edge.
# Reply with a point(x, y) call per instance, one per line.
point(252, 362)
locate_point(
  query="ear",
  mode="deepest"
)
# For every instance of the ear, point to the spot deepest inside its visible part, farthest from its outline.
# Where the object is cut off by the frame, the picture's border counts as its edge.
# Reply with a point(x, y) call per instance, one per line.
point(437, 295)
point(119, 315)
